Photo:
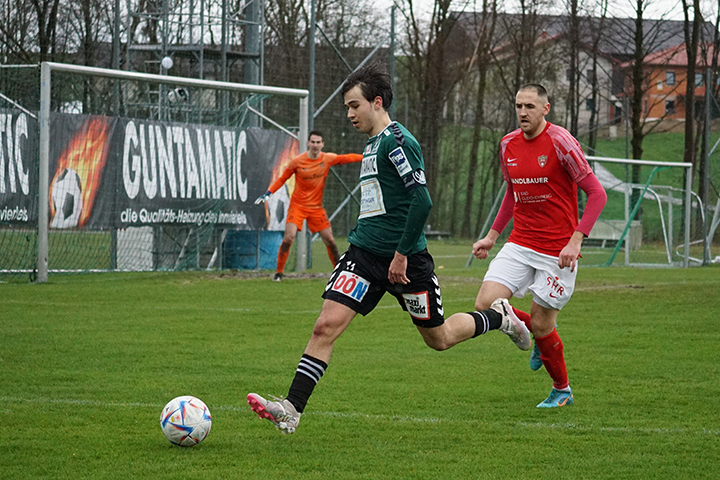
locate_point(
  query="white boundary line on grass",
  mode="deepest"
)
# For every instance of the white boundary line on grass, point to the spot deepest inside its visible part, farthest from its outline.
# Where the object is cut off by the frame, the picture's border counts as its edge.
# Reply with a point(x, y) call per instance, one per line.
point(398, 418)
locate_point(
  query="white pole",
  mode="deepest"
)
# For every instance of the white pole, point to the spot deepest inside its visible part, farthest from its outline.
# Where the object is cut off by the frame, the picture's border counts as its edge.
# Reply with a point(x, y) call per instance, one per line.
point(302, 243)
point(44, 173)
point(688, 212)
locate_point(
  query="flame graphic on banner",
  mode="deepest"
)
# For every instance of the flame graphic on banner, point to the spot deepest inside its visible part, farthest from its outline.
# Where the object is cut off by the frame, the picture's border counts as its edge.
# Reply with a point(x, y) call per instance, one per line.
point(77, 178)
point(283, 160)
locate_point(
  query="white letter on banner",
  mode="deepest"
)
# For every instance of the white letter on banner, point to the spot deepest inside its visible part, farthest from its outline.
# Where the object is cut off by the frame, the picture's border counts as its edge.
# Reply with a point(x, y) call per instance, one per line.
point(166, 165)
point(132, 187)
point(2, 155)
point(21, 129)
point(150, 177)
point(10, 156)
point(193, 180)
point(220, 171)
point(241, 183)
point(228, 142)
point(207, 170)
point(178, 138)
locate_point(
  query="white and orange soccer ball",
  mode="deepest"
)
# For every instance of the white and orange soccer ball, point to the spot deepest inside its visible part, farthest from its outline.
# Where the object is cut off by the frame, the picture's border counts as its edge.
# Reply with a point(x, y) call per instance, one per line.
point(185, 421)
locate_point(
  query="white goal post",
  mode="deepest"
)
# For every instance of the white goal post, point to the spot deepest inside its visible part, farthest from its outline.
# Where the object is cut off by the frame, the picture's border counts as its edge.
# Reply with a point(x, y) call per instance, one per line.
point(630, 214)
point(46, 72)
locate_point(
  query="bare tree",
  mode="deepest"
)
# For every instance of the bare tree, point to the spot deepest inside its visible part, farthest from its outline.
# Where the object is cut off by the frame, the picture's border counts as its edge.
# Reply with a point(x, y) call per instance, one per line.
point(480, 61)
point(430, 63)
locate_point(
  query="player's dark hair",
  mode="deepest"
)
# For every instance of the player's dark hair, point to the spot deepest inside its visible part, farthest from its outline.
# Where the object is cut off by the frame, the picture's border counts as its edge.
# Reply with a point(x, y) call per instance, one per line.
point(539, 89)
point(317, 133)
point(373, 81)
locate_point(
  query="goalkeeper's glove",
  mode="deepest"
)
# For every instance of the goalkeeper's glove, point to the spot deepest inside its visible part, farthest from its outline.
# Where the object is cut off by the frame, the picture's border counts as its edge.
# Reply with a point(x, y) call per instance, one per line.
point(263, 198)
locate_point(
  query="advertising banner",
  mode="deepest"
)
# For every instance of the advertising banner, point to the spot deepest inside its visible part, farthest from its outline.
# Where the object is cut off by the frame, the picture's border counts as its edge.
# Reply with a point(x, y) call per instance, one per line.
point(108, 172)
point(18, 167)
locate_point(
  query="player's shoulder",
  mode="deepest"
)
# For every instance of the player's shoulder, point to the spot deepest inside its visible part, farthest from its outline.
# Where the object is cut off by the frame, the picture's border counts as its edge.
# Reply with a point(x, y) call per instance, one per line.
point(396, 135)
point(559, 134)
point(511, 136)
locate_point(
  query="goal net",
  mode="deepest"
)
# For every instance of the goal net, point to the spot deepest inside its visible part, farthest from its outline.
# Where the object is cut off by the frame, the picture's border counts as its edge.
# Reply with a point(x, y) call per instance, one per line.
point(652, 216)
point(118, 170)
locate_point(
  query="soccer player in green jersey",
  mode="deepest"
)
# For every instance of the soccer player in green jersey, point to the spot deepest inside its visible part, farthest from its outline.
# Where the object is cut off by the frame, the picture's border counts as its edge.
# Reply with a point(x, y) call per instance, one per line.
point(387, 253)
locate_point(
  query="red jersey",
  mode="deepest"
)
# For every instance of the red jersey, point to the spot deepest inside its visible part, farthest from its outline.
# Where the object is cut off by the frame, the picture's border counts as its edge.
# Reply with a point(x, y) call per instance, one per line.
point(543, 173)
point(310, 176)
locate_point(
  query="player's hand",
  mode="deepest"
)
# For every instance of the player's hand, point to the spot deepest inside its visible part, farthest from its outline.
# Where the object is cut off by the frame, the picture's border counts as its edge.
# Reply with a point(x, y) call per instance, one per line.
point(262, 198)
point(398, 267)
point(570, 253)
point(482, 247)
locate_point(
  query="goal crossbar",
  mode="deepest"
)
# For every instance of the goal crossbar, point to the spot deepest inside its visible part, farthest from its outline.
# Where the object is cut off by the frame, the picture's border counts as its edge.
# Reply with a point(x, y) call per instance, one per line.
point(46, 71)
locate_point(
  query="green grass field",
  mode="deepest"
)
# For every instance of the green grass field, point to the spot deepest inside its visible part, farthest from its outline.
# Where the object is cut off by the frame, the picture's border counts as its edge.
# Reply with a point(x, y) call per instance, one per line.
point(88, 361)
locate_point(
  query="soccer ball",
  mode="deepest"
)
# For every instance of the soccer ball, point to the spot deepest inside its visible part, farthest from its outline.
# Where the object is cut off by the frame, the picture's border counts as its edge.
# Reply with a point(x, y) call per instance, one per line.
point(185, 421)
point(67, 200)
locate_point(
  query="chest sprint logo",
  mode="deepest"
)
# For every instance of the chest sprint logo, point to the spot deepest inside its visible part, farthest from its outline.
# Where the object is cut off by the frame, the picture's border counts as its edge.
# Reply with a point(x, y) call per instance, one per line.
point(351, 285)
point(418, 305)
point(557, 289)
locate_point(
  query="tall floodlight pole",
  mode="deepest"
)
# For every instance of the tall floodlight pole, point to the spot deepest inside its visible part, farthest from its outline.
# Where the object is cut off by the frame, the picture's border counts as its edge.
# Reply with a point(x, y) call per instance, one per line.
point(391, 60)
point(311, 77)
point(706, 168)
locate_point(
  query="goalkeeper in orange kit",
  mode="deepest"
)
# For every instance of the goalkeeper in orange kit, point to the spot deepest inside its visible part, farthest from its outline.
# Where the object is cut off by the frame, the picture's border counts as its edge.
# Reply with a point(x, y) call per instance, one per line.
point(311, 170)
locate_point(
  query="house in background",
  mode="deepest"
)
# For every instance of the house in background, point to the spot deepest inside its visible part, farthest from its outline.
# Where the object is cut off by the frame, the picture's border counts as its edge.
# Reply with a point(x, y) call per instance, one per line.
point(666, 79)
point(549, 50)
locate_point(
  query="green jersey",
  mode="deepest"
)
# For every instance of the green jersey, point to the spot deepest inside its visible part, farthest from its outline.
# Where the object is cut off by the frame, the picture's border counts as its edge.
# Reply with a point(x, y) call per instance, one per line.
point(395, 202)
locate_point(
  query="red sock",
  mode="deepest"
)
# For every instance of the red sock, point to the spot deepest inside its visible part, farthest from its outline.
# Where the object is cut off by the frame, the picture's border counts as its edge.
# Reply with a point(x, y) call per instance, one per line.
point(523, 316)
point(551, 354)
point(282, 259)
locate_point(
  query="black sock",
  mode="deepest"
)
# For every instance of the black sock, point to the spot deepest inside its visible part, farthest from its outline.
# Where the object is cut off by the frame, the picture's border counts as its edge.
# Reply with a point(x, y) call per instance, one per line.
point(307, 375)
point(485, 321)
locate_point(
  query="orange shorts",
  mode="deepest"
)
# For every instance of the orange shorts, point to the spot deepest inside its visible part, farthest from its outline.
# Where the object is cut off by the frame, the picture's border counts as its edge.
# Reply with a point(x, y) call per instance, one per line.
point(317, 218)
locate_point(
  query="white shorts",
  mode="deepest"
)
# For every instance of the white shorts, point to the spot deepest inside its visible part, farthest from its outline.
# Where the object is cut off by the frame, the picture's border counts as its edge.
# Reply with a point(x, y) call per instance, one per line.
point(522, 269)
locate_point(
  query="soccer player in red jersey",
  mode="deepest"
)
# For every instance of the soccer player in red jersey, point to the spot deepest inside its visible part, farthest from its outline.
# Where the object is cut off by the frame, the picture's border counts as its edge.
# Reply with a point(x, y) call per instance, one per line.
point(543, 165)
point(311, 170)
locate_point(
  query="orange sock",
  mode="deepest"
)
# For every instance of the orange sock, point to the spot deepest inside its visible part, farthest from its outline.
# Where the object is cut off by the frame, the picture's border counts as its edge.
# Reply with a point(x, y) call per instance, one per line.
point(282, 259)
point(551, 354)
point(523, 316)
point(332, 254)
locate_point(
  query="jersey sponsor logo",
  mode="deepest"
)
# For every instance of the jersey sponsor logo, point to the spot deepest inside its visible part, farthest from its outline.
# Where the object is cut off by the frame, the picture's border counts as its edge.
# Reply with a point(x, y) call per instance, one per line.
point(398, 158)
point(416, 180)
point(369, 166)
point(351, 285)
point(542, 160)
point(525, 197)
point(371, 199)
point(512, 162)
point(555, 286)
point(418, 305)
point(529, 181)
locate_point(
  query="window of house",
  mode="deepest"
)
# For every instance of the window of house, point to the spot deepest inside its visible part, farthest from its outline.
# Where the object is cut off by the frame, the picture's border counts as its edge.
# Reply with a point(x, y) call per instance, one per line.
point(699, 79)
point(670, 78)
point(590, 77)
point(567, 74)
point(659, 84)
point(589, 104)
point(669, 107)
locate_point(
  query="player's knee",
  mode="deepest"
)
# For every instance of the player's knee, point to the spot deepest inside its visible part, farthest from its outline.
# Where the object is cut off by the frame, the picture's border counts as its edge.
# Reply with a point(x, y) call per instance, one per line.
point(324, 327)
point(481, 305)
point(436, 344)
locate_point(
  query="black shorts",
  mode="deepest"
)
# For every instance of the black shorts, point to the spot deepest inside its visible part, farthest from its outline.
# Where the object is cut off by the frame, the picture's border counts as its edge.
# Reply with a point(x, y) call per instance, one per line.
point(360, 280)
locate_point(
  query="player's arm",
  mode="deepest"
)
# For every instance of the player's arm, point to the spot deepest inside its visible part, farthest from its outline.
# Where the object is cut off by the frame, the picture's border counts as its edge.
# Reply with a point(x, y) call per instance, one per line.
point(275, 186)
point(594, 205)
point(348, 158)
point(505, 213)
point(420, 206)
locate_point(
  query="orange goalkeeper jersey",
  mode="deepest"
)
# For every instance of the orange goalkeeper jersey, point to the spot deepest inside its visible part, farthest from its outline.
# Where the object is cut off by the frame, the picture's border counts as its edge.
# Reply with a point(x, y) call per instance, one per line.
point(310, 176)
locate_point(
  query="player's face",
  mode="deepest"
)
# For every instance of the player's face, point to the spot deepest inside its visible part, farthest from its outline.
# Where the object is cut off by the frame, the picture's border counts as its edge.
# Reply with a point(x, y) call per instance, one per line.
point(362, 113)
point(531, 111)
point(315, 145)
